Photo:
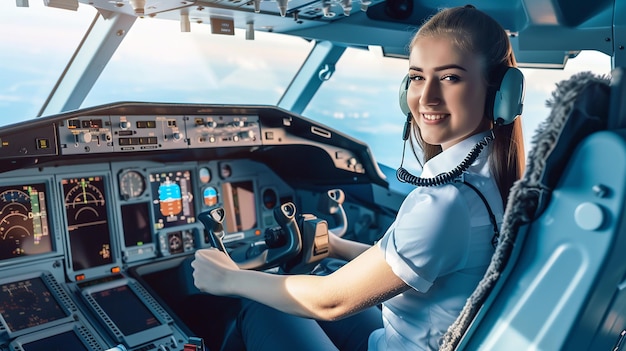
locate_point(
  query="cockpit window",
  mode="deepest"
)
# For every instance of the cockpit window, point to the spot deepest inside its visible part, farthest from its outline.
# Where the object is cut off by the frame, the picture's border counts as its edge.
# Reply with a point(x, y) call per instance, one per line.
point(156, 62)
point(361, 99)
point(36, 45)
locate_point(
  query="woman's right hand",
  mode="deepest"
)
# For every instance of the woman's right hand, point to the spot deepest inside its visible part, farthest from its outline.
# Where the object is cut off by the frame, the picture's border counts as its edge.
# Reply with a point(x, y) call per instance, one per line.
point(211, 271)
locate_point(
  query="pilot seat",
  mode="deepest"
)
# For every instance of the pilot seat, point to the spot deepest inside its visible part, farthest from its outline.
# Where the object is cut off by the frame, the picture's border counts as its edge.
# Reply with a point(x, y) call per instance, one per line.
point(557, 280)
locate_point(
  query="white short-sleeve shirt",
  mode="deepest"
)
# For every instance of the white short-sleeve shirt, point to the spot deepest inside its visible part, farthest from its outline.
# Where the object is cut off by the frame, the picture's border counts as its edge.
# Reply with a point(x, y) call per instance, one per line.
point(440, 245)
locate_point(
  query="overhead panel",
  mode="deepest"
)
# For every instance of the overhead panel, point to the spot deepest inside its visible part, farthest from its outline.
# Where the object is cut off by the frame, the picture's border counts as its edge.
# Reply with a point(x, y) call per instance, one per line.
point(139, 7)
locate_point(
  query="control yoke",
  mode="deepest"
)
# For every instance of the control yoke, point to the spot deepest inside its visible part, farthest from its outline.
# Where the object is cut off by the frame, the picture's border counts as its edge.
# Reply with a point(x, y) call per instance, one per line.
point(332, 204)
point(290, 245)
point(212, 221)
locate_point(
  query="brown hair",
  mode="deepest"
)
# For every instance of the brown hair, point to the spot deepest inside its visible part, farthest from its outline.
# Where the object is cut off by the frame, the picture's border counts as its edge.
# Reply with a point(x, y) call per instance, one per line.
point(473, 31)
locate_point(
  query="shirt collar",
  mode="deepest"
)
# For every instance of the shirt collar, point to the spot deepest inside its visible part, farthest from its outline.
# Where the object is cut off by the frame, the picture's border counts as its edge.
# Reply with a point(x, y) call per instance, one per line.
point(453, 156)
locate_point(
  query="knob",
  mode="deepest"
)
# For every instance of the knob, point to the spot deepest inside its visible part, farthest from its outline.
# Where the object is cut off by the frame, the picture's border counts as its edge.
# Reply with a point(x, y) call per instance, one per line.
point(84, 137)
point(247, 135)
point(124, 125)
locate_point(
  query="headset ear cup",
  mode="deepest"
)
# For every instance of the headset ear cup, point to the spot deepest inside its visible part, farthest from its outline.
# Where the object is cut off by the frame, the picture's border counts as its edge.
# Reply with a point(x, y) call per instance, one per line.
point(508, 100)
point(404, 86)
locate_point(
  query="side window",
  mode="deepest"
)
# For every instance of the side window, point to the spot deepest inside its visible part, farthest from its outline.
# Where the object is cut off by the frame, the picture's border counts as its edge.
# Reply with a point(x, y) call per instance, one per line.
point(34, 54)
point(361, 100)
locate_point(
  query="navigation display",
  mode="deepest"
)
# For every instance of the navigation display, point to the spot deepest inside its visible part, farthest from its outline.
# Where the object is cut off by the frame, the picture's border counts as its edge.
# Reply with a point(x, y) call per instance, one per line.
point(60, 342)
point(128, 318)
point(172, 198)
point(24, 228)
point(125, 309)
point(87, 223)
point(74, 334)
point(28, 303)
point(136, 222)
point(239, 206)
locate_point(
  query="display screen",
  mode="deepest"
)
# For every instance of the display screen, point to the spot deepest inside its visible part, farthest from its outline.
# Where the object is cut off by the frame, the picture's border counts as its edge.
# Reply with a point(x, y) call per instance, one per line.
point(172, 198)
point(60, 342)
point(180, 241)
point(24, 228)
point(125, 309)
point(87, 222)
point(136, 221)
point(28, 303)
point(239, 206)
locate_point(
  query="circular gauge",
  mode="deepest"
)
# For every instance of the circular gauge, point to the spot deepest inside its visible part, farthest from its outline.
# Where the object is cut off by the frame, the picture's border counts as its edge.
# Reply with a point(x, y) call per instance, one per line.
point(15, 215)
point(209, 196)
point(270, 198)
point(132, 184)
point(84, 198)
point(225, 171)
point(204, 175)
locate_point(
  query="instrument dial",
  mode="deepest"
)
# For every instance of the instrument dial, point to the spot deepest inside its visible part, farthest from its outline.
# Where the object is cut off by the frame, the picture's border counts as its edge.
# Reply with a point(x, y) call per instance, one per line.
point(15, 215)
point(84, 193)
point(132, 184)
point(175, 242)
point(84, 200)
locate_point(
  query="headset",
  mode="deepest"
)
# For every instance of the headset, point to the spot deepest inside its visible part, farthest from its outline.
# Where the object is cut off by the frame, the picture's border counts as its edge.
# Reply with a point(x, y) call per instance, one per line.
point(505, 100)
point(504, 104)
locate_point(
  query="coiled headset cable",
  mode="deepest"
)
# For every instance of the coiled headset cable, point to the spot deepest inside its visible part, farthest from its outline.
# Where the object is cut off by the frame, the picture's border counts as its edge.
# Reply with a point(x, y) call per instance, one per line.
point(444, 178)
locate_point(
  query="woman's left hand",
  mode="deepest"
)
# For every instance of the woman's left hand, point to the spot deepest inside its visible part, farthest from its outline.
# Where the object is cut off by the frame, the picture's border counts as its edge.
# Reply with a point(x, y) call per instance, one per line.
point(211, 270)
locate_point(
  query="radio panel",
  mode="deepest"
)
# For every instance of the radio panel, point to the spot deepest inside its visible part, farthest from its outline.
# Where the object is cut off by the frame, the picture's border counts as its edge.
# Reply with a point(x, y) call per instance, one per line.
point(132, 133)
point(84, 135)
point(212, 131)
point(144, 133)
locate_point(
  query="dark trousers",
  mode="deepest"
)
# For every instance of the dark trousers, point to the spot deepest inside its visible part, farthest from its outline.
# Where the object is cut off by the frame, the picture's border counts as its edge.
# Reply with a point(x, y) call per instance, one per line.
point(263, 328)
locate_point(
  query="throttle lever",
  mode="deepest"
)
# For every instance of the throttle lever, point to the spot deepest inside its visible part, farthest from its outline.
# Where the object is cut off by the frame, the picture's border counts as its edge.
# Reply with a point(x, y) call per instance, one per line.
point(332, 204)
point(212, 221)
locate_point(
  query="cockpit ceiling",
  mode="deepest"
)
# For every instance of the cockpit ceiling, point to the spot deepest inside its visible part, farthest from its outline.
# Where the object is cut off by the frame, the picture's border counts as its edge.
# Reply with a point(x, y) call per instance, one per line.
point(544, 33)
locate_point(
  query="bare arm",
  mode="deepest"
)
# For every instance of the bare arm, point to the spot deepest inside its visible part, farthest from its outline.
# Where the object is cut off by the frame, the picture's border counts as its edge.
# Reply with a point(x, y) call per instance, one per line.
point(345, 249)
point(363, 282)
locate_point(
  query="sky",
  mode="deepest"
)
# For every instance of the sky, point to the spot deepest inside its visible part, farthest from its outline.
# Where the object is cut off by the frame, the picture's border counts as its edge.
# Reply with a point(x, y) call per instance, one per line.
point(359, 100)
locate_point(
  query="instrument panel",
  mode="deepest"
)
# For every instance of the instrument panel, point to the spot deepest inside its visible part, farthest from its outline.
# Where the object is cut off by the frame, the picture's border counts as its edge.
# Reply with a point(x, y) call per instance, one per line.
point(87, 197)
point(115, 213)
point(135, 207)
point(95, 222)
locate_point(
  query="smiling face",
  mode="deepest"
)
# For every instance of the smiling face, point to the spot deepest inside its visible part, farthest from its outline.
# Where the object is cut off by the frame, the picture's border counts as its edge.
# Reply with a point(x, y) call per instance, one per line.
point(447, 91)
